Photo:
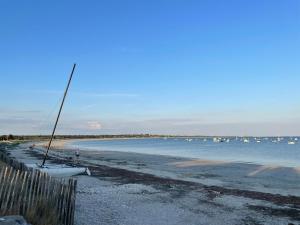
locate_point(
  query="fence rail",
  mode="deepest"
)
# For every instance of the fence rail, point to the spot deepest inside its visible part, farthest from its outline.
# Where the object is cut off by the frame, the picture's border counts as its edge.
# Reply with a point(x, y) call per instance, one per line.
point(35, 195)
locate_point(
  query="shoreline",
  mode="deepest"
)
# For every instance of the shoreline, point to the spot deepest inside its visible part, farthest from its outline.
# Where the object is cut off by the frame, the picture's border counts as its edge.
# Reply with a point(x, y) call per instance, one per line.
point(66, 144)
point(119, 192)
point(129, 176)
point(238, 175)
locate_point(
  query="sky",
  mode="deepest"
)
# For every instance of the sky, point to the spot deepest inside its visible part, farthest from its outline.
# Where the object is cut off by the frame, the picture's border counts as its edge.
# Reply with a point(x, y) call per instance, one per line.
point(203, 67)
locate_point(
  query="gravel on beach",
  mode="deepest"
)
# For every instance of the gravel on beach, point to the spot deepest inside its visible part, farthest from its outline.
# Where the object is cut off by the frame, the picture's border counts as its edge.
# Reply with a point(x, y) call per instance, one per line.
point(106, 202)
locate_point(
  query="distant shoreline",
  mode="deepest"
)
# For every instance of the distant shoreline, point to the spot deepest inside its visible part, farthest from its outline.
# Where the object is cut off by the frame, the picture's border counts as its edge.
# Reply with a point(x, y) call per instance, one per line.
point(125, 136)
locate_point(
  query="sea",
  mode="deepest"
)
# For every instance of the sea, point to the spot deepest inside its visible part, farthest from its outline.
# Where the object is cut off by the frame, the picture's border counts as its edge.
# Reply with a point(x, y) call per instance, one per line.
point(283, 151)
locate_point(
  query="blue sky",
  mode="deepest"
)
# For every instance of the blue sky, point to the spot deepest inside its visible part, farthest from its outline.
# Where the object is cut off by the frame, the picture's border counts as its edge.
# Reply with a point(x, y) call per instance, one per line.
point(160, 66)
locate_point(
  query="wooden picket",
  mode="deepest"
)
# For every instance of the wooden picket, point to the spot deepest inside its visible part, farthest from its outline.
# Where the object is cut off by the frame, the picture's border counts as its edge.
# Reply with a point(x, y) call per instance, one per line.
point(25, 191)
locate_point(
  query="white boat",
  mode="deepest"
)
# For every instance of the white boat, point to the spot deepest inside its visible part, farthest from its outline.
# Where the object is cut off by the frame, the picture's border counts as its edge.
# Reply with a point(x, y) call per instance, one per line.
point(291, 142)
point(216, 139)
point(246, 141)
point(279, 139)
point(60, 170)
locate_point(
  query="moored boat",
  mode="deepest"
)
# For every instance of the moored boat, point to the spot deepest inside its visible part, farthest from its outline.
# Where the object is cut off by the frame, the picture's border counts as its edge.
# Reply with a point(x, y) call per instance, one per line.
point(246, 140)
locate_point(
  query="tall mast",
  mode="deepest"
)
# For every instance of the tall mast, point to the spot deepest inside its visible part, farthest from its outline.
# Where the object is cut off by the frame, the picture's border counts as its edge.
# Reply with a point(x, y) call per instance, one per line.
point(61, 106)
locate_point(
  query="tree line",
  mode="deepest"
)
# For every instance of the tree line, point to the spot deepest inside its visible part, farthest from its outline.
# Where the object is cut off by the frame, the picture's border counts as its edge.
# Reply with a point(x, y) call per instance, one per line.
point(10, 137)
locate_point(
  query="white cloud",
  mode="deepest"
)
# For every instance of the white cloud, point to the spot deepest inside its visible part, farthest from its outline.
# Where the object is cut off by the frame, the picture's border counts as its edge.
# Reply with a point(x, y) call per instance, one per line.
point(94, 125)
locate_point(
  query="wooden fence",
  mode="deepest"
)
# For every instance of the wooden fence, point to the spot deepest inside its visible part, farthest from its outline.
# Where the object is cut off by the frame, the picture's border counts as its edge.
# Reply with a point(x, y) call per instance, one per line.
point(40, 198)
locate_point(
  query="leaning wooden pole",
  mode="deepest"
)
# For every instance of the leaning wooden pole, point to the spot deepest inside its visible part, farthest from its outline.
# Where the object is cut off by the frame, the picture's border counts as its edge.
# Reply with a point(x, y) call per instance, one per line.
point(61, 106)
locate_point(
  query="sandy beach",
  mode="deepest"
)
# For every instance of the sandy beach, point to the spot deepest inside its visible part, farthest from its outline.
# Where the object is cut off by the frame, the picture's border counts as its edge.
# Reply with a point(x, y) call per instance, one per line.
point(133, 189)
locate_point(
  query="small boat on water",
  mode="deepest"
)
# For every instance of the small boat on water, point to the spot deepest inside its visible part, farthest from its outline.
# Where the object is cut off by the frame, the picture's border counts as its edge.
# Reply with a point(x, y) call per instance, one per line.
point(291, 142)
point(215, 139)
point(246, 140)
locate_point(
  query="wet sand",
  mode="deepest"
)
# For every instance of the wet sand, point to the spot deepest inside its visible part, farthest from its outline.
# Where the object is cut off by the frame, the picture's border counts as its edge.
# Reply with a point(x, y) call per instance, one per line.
point(130, 188)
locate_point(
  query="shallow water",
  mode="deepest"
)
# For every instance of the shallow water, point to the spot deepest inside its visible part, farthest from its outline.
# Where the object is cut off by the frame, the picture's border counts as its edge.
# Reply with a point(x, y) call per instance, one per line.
point(266, 152)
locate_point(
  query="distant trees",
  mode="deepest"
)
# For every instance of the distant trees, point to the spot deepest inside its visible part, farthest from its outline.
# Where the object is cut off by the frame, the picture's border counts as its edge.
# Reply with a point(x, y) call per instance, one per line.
point(46, 137)
point(7, 137)
point(10, 137)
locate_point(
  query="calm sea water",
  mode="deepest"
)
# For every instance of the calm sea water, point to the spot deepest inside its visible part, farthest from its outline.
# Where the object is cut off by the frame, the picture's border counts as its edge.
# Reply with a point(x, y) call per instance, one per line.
point(267, 151)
